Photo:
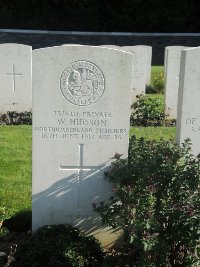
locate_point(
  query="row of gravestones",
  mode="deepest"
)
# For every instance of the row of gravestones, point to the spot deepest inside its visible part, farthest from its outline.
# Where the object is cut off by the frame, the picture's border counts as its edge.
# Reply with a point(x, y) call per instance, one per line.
point(182, 92)
point(15, 74)
point(81, 98)
point(81, 111)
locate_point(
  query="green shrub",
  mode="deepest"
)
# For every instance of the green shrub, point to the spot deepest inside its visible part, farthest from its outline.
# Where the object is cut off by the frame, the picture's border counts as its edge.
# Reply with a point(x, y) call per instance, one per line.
point(156, 202)
point(157, 86)
point(19, 222)
point(150, 89)
point(159, 83)
point(59, 246)
point(15, 118)
point(148, 111)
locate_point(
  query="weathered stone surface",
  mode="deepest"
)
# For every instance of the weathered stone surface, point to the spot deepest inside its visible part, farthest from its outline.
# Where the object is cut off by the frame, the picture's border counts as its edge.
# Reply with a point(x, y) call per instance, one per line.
point(15, 78)
point(149, 60)
point(172, 70)
point(188, 116)
point(81, 108)
point(139, 70)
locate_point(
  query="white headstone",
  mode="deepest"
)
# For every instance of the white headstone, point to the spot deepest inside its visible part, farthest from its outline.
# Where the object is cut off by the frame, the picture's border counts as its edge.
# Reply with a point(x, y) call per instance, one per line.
point(139, 70)
point(15, 78)
point(111, 46)
point(188, 116)
point(172, 70)
point(148, 62)
point(81, 110)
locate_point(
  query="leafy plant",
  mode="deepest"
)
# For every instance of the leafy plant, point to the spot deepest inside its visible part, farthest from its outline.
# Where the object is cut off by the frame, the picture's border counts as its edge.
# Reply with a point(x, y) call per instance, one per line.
point(150, 89)
point(15, 118)
point(157, 85)
point(59, 245)
point(148, 111)
point(156, 202)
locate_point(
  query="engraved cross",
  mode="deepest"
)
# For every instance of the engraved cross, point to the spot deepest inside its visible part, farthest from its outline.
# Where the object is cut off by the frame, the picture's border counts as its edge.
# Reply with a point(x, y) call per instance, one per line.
point(80, 168)
point(14, 74)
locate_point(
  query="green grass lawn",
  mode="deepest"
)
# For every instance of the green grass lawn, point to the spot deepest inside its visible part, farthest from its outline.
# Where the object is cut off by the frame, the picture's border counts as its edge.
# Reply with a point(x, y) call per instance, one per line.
point(15, 168)
point(154, 133)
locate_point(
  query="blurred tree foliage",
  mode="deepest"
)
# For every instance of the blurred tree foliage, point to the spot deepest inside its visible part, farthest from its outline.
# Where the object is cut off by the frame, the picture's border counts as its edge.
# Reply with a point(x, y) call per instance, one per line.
point(102, 15)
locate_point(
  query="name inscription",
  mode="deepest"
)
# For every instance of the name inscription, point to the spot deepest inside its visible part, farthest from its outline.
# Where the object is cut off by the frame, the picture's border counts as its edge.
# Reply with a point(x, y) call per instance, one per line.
point(81, 126)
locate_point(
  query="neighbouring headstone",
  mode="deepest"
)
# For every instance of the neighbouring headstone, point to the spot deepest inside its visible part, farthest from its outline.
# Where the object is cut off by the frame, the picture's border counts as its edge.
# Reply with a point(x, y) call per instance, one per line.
point(81, 111)
point(139, 70)
point(111, 46)
point(15, 77)
point(148, 62)
point(172, 70)
point(188, 115)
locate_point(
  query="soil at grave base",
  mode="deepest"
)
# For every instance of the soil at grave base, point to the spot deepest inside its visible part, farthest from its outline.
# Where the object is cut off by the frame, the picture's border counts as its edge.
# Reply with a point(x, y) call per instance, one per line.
point(12, 239)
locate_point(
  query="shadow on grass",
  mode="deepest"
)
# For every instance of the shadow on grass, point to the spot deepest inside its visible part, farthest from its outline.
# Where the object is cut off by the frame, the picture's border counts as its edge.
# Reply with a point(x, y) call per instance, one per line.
point(21, 222)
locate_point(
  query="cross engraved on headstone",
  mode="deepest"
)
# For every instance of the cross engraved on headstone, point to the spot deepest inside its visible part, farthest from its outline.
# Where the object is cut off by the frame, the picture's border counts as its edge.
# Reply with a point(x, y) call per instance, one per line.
point(80, 168)
point(14, 74)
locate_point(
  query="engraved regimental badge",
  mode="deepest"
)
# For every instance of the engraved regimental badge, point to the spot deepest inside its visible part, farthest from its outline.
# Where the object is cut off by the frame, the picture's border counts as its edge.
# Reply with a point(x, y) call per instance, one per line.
point(82, 83)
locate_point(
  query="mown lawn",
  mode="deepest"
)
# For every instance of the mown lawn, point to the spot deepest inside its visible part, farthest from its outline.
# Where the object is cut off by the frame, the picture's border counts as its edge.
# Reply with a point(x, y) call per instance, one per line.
point(154, 133)
point(15, 168)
